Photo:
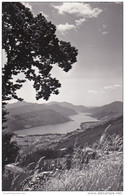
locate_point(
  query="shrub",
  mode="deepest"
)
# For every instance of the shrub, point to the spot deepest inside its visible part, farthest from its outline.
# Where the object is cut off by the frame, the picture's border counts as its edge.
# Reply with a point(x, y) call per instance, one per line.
point(35, 156)
point(10, 148)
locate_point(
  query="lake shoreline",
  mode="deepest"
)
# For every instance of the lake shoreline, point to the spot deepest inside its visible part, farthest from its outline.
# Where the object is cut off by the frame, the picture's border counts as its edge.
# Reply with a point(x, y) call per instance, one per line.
point(50, 140)
point(60, 128)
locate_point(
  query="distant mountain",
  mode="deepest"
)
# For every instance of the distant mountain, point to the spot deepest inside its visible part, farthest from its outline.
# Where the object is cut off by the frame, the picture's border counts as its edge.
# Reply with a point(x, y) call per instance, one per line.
point(35, 119)
point(107, 111)
point(23, 107)
point(77, 108)
point(18, 104)
point(62, 109)
point(24, 115)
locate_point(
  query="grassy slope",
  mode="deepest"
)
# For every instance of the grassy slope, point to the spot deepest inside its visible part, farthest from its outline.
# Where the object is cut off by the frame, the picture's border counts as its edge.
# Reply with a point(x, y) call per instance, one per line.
point(56, 141)
point(103, 174)
point(91, 135)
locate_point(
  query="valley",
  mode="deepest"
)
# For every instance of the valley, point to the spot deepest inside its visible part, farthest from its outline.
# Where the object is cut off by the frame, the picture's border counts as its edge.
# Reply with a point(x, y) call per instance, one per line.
point(55, 154)
point(58, 128)
point(54, 116)
point(88, 133)
point(60, 124)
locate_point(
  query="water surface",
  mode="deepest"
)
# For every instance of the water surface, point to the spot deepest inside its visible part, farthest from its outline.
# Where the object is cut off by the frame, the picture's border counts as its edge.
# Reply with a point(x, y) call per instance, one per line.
point(61, 128)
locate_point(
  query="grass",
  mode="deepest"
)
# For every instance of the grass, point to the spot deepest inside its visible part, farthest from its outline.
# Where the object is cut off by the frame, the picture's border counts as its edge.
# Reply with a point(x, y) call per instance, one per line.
point(103, 173)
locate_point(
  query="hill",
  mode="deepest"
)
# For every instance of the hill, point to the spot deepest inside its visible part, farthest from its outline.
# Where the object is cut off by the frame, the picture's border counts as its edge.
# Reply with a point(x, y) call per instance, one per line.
point(77, 108)
point(23, 107)
point(35, 119)
point(18, 104)
point(62, 109)
point(24, 115)
point(71, 165)
point(92, 134)
point(107, 111)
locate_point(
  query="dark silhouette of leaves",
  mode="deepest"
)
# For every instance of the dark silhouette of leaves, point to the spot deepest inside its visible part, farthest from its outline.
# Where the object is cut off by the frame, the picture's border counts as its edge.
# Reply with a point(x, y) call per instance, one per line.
point(32, 48)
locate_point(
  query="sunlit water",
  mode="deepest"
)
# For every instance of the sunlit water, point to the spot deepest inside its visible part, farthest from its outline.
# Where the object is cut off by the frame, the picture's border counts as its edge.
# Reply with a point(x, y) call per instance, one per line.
point(61, 128)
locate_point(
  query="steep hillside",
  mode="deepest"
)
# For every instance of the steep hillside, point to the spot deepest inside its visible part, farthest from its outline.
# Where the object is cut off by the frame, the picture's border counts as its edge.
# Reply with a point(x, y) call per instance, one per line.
point(23, 107)
point(107, 111)
point(24, 115)
point(88, 168)
point(92, 134)
point(34, 119)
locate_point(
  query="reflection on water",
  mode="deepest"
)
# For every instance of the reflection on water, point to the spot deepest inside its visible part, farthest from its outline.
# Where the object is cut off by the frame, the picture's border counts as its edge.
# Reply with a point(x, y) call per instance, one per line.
point(58, 128)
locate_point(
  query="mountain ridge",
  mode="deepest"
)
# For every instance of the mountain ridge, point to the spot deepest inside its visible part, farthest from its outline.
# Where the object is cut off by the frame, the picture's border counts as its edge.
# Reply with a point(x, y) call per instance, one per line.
point(35, 119)
point(24, 107)
point(20, 113)
point(107, 111)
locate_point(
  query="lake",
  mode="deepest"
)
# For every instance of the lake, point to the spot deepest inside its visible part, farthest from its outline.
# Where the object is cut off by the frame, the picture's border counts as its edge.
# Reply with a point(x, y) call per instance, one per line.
point(61, 128)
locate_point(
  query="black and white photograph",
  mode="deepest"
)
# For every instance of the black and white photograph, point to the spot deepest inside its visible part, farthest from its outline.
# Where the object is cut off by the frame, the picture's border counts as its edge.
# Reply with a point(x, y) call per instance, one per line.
point(62, 96)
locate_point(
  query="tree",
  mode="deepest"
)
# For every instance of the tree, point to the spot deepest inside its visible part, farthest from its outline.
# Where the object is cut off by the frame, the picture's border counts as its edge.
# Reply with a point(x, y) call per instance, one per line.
point(9, 148)
point(32, 48)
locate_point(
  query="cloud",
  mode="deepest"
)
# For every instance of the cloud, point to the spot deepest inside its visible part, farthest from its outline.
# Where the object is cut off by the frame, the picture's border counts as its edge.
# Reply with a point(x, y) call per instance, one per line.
point(117, 85)
point(27, 5)
point(80, 21)
point(63, 28)
point(104, 33)
point(104, 90)
point(109, 87)
point(104, 26)
point(79, 9)
point(96, 92)
point(82, 10)
point(103, 29)
point(92, 91)
point(112, 86)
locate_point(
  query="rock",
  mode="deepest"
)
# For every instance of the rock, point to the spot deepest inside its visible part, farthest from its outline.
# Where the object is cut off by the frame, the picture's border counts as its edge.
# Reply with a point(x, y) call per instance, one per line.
point(13, 168)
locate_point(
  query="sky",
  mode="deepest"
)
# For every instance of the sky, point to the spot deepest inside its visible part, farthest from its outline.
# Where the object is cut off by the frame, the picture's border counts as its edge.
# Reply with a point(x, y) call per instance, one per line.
point(96, 30)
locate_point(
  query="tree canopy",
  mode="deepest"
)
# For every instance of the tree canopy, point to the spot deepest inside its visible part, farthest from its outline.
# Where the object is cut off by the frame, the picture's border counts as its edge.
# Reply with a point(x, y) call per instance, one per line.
point(9, 148)
point(32, 48)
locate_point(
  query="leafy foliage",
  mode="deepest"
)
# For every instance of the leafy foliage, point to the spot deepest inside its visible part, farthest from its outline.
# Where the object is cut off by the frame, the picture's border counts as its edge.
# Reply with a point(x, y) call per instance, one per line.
point(9, 148)
point(36, 155)
point(32, 48)
point(4, 114)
